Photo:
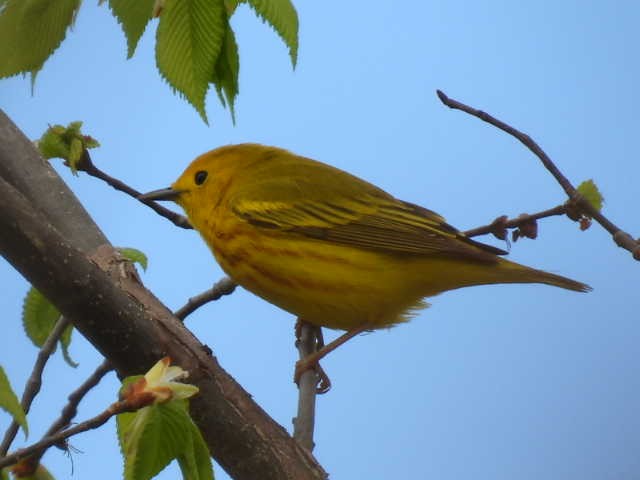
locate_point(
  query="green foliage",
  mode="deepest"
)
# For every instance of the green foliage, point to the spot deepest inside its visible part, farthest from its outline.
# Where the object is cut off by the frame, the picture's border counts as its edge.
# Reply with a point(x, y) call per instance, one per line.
point(195, 45)
point(133, 15)
point(39, 316)
point(282, 16)
point(65, 341)
point(231, 6)
point(41, 473)
point(225, 76)
point(9, 402)
point(4, 472)
point(188, 42)
point(134, 255)
point(67, 143)
point(30, 31)
point(153, 436)
point(590, 192)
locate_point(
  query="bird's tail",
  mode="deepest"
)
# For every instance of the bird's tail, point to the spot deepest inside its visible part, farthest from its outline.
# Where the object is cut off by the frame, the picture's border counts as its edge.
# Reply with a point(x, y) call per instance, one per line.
point(515, 273)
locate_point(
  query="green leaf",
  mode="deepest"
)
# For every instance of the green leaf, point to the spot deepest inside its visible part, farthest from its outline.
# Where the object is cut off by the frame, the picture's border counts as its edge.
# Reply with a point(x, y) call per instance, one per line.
point(195, 463)
point(188, 42)
point(30, 31)
point(134, 255)
point(75, 154)
point(41, 473)
point(4, 473)
point(65, 341)
point(9, 402)
point(283, 18)
point(133, 16)
point(590, 192)
point(39, 316)
point(52, 144)
point(67, 143)
point(153, 436)
point(227, 71)
point(231, 6)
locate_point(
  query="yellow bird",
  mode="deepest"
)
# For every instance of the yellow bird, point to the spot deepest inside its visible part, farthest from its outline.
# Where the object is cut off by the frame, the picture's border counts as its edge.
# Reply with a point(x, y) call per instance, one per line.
point(331, 248)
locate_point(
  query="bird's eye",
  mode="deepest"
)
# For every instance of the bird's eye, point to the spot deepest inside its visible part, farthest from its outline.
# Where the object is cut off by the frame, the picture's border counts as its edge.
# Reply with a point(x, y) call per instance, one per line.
point(200, 177)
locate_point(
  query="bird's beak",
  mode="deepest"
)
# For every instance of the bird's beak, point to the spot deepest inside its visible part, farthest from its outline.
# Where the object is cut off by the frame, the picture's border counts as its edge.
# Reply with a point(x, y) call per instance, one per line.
point(162, 194)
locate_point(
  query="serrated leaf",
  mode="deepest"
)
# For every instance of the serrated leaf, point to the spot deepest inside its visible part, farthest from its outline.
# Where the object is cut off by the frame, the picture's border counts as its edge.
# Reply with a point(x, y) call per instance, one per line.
point(133, 16)
point(9, 402)
point(590, 192)
point(152, 437)
point(283, 18)
point(65, 341)
point(188, 41)
point(134, 255)
point(227, 72)
point(39, 316)
point(30, 31)
point(195, 463)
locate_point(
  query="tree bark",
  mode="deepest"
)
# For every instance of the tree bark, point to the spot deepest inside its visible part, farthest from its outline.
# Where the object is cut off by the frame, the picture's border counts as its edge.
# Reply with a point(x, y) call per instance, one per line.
point(46, 234)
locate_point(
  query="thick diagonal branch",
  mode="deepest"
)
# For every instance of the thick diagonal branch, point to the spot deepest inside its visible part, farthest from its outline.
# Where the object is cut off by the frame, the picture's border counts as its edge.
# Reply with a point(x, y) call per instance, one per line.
point(123, 320)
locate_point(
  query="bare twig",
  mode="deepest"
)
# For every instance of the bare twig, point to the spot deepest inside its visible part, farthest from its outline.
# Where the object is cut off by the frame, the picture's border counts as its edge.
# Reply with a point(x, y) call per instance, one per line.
point(500, 225)
point(34, 382)
point(86, 165)
point(620, 237)
point(68, 412)
point(304, 422)
point(46, 442)
point(226, 286)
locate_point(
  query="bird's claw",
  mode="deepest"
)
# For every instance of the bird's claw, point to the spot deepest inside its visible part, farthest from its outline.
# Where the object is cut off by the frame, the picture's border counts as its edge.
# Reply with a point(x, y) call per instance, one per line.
point(323, 382)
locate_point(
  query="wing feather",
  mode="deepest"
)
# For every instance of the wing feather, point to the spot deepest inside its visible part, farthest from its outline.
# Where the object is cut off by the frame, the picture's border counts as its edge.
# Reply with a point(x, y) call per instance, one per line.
point(364, 217)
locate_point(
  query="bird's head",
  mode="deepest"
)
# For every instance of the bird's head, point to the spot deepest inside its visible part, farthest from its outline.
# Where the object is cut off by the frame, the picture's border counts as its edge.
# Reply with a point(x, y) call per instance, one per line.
point(208, 180)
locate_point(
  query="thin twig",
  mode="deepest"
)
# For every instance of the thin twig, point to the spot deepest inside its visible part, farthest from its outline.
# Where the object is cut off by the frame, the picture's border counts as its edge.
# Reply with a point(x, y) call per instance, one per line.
point(69, 411)
point(620, 237)
point(71, 408)
point(226, 286)
point(46, 442)
point(86, 165)
point(304, 422)
point(523, 137)
point(34, 382)
point(500, 225)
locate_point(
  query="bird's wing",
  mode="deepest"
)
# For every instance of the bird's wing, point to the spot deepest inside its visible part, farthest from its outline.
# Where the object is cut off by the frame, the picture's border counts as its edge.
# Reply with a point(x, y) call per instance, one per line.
point(359, 215)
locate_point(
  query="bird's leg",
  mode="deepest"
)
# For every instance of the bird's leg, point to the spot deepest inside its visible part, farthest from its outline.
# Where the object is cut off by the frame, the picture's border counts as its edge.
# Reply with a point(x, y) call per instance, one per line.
point(311, 361)
point(323, 383)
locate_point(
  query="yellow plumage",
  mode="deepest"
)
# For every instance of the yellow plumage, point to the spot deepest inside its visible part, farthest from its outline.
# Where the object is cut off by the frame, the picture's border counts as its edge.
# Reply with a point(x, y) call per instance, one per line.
point(327, 246)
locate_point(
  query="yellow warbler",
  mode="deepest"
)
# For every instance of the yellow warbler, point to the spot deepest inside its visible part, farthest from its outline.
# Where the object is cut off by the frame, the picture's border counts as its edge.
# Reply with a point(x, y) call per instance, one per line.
point(327, 246)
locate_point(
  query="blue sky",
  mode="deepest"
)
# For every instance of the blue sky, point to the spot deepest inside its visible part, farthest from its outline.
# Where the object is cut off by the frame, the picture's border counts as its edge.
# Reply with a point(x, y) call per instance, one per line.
point(496, 382)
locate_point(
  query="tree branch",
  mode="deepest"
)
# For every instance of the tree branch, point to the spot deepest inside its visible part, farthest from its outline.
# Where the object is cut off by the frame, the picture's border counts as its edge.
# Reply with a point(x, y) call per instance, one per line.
point(226, 286)
point(500, 225)
point(304, 422)
point(34, 383)
point(620, 237)
point(87, 165)
point(46, 442)
point(107, 307)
